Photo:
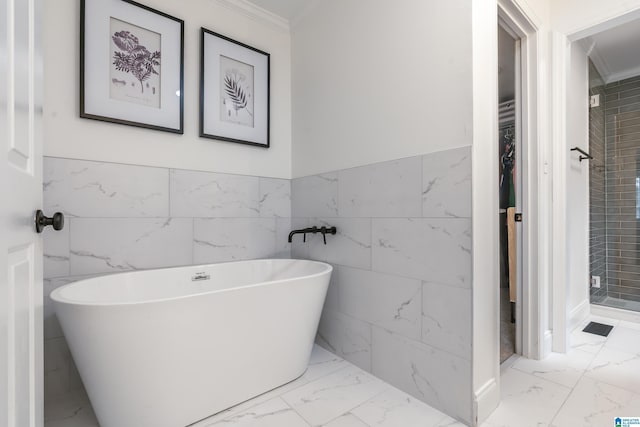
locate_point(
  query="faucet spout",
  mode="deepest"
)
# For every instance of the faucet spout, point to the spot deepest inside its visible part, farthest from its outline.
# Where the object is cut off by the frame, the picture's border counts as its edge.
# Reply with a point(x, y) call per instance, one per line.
point(313, 230)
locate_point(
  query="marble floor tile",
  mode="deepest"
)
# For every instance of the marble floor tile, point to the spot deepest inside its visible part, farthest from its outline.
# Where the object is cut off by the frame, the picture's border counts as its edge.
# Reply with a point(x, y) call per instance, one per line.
point(596, 404)
point(273, 413)
point(625, 339)
point(563, 369)
point(245, 406)
point(395, 408)
point(590, 343)
point(347, 420)
point(526, 400)
point(323, 400)
point(322, 363)
point(617, 368)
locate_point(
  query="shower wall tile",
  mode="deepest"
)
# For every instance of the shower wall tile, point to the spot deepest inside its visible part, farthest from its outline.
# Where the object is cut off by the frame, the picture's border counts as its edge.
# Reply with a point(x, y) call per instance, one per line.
point(315, 196)
point(431, 249)
point(402, 269)
point(391, 302)
point(431, 375)
point(93, 189)
point(389, 189)
point(275, 197)
point(207, 194)
point(446, 183)
point(108, 245)
point(233, 239)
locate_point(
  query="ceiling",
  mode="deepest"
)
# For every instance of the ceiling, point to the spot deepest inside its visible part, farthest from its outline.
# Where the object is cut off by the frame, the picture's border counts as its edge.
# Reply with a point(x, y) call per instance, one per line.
point(288, 9)
point(616, 52)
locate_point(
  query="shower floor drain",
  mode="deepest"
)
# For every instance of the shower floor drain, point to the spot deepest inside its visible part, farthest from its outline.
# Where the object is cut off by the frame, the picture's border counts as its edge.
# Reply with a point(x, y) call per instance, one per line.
point(598, 329)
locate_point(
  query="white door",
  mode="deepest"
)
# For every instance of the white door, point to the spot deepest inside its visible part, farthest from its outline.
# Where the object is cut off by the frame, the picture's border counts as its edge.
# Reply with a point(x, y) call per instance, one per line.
point(21, 370)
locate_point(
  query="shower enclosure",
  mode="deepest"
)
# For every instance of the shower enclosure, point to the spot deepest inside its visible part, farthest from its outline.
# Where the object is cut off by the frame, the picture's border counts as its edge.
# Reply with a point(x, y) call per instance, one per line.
point(614, 182)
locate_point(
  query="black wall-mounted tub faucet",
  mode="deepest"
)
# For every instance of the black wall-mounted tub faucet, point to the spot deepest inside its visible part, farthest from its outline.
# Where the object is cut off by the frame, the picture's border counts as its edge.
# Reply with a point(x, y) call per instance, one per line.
point(313, 230)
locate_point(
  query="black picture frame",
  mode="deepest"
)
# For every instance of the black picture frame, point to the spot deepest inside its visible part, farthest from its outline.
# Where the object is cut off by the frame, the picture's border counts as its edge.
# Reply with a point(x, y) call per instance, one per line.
point(216, 48)
point(168, 114)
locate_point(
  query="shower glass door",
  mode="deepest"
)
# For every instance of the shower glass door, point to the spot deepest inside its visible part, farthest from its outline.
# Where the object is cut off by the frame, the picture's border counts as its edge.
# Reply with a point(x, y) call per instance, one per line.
point(614, 141)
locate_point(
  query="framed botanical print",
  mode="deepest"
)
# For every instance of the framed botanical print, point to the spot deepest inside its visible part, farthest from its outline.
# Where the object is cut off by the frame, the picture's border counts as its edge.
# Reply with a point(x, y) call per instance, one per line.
point(131, 65)
point(234, 91)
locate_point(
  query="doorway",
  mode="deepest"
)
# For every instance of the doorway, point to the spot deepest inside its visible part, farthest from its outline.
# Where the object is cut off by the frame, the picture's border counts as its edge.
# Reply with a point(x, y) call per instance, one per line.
point(509, 162)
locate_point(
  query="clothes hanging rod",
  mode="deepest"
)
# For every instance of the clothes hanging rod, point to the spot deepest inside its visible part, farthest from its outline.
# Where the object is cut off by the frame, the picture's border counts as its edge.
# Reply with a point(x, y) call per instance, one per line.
point(586, 156)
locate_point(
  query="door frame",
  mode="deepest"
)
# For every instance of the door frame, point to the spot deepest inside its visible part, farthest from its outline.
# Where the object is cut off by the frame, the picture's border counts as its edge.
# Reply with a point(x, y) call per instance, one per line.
point(526, 30)
point(486, 320)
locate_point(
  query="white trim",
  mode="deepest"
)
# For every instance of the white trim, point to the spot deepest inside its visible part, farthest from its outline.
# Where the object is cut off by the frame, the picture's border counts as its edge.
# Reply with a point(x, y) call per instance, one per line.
point(603, 24)
point(485, 229)
point(560, 55)
point(485, 358)
point(615, 313)
point(614, 77)
point(598, 62)
point(256, 13)
point(578, 314)
point(548, 343)
point(485, 398)
point(532, 286)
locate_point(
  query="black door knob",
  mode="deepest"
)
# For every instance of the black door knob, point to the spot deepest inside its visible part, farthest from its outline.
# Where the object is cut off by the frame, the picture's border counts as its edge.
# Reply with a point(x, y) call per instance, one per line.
point(57, 221)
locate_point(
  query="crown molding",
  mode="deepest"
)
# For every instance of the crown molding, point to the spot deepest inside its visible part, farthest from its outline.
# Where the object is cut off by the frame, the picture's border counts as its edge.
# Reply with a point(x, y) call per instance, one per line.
point(622, 75)
point(598, 62)
point(256, 13)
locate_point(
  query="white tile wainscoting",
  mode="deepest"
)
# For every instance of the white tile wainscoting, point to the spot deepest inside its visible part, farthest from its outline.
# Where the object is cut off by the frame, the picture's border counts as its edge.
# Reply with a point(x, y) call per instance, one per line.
point(399, 303)
point(123, 217)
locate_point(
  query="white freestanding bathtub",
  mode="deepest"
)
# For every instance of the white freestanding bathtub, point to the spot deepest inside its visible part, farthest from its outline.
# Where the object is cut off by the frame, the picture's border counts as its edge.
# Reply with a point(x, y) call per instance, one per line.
point(169, 347)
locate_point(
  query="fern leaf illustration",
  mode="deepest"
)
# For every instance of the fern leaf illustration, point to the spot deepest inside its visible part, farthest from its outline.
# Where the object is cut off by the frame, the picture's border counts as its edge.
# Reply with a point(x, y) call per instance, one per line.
point(235, 93)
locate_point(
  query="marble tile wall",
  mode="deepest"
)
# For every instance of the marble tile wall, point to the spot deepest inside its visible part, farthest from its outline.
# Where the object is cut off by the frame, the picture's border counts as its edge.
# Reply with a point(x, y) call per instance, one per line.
point(123, 217)
point(399, 303)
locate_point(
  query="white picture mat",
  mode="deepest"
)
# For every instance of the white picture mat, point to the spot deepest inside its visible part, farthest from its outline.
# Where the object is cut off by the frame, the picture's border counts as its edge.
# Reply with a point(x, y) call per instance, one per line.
point(213, 48)
point(97, 60)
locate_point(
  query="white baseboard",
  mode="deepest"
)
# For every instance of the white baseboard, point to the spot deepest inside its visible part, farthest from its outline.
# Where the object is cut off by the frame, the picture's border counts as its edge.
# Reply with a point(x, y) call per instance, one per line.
point(487, 399)
point(615, 313)
point(547, 343)
point(578, 315)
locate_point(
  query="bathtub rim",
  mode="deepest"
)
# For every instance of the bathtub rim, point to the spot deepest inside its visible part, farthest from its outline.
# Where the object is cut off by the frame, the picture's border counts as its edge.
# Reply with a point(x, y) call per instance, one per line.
point(59, 300)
